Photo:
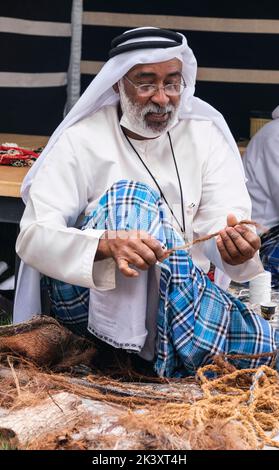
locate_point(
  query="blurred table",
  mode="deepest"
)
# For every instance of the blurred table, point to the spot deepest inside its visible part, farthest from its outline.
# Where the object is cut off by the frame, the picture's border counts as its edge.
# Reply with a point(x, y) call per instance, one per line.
point(11, 205)
point(10, 180)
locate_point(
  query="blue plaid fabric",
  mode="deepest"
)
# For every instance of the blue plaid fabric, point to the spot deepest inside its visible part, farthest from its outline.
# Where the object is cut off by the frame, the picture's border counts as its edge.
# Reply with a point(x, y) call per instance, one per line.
point(196, 319)
point(69, 304)
point(269, 254)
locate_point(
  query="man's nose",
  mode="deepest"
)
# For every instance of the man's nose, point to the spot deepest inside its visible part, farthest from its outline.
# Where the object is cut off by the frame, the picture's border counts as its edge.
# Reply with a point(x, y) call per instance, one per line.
point(160, 97)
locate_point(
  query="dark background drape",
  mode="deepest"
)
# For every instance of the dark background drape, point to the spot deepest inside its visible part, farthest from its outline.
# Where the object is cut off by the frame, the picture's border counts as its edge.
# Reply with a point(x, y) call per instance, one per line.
point(35, 40)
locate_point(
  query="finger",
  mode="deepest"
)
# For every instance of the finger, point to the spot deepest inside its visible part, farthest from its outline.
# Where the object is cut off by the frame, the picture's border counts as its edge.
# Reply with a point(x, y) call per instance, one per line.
point(156, 248)
point(242, 246)
point(125, 269)
point(250, 236)
point(139, 248)
point(147, 254)
point(228, 239)
point(138, 261)
point(223, 251)
point(231, 220)
point(153, 244)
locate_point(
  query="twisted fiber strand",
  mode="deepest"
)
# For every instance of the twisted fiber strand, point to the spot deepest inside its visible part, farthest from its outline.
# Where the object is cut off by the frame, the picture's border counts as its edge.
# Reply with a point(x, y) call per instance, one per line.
point(258, 416)
point(212, 235)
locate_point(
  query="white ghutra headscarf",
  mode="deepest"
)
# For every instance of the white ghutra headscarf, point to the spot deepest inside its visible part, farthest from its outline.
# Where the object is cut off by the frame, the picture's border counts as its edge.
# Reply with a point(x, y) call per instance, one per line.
point(100, 92)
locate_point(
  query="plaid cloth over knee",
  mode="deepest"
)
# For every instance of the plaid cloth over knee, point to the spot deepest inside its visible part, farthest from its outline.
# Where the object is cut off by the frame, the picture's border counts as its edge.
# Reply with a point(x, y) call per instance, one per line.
point(196, 319)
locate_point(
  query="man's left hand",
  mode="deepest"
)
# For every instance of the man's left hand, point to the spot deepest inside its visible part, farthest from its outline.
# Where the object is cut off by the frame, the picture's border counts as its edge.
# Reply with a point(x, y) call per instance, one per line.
point(237, 243)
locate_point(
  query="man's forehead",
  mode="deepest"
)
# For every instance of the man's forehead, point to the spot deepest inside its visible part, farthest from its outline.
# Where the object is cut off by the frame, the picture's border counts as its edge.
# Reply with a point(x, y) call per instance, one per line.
point(168, 66)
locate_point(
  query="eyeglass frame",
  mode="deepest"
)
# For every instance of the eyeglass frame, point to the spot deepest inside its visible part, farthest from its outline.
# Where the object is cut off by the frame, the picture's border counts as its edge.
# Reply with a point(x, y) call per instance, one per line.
point(157, 86)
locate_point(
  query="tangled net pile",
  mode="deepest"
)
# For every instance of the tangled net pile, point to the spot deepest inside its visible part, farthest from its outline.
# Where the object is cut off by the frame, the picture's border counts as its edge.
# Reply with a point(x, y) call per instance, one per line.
point(238, 410)
point(242, 405)
point(233, 409)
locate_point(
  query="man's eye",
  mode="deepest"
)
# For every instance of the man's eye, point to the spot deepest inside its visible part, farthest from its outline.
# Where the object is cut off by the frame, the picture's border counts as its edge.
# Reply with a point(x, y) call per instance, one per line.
point(147, 87)
point(173, 84)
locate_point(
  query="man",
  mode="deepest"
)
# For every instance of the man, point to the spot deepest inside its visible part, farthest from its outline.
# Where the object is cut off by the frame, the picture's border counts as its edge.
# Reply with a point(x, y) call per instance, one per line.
point(261, 162)
point(150, 166)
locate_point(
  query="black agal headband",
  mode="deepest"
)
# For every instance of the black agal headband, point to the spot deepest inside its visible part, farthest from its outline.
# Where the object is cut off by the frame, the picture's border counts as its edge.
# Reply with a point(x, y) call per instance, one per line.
point(117, 48)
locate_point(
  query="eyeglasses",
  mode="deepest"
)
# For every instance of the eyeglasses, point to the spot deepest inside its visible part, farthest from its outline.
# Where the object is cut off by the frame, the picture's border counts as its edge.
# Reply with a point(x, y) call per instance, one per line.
point(149, 89)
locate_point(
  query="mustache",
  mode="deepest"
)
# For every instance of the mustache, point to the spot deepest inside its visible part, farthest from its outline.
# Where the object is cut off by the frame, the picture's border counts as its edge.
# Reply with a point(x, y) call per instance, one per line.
point(154, 108)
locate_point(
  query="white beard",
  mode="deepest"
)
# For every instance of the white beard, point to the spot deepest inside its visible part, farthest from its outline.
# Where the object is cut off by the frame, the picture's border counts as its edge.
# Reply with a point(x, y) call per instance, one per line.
point(133, 117)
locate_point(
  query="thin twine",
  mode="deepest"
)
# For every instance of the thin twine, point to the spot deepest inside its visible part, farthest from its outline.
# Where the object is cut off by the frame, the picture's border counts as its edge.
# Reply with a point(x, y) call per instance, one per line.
point(212, 235)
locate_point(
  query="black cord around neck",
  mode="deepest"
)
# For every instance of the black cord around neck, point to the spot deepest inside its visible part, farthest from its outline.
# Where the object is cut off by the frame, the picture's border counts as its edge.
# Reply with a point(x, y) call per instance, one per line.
point(180, 186)
point(183, 228)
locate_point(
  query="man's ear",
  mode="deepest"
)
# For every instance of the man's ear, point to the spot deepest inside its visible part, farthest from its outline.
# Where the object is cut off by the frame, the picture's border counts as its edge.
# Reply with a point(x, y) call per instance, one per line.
point(116, 88)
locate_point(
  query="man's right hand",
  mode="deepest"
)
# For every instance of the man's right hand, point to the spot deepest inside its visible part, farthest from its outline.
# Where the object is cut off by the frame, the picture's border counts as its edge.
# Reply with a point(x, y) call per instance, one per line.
point(133, 247)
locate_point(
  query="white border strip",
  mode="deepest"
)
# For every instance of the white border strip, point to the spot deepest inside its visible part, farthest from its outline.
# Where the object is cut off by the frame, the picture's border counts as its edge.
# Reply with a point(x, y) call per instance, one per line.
point(190, 23)
point(90, 67)
point(208, 74)
point(238, 75)
point(36, 28)
point(73, 89)
point(32, 80)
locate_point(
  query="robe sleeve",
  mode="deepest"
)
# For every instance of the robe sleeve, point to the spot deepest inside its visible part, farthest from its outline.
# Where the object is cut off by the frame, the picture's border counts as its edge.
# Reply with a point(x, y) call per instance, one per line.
point(223, 192)
point(261, 161)
point(271, 165)
point(48, 240)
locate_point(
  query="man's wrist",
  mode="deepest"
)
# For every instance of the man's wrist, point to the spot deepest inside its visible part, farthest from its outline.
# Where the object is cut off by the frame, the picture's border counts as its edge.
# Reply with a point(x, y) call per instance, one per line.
point(103, 250)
